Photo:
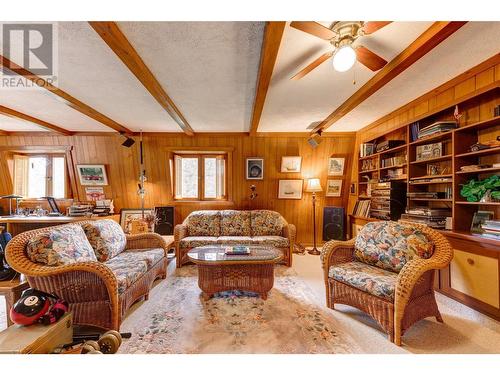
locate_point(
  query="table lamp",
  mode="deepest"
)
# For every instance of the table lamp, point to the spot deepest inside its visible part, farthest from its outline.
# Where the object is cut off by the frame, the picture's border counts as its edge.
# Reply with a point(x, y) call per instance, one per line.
point(314, 186)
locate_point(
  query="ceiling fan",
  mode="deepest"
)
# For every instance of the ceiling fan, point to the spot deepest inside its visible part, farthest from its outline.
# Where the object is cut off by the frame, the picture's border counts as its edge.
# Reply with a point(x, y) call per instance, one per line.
point(342, 35)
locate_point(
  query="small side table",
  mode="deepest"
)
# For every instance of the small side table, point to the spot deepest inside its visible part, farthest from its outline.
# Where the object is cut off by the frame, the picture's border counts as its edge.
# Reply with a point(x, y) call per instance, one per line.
point(12, 291)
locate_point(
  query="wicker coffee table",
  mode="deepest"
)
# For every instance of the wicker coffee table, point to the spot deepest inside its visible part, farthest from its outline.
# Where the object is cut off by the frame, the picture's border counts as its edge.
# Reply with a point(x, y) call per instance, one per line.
point(218, 272)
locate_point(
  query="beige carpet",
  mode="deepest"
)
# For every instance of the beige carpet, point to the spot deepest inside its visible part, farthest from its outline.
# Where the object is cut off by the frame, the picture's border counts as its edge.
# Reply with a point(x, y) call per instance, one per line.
point(464, 330)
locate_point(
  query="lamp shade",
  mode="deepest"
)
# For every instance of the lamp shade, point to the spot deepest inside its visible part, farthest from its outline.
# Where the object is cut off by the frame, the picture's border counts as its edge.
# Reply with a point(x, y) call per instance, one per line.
point(313, 185)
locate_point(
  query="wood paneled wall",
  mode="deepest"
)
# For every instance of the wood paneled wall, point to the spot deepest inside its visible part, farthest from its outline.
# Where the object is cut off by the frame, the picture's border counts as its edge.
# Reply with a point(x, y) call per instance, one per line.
point(122, 166)
point(480, 79)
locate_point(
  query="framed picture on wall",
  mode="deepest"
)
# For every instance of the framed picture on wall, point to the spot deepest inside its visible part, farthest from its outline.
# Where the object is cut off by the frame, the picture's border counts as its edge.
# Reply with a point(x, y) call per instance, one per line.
point(336, 166)
point(291, 164)
point(290, 189)
point(92, 174)
point(132, 220)
point(255, 169)
point(333, 188)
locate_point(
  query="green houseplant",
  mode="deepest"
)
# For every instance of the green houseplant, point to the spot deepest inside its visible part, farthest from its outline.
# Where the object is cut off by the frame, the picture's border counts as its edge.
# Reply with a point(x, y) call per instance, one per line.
point(474, 190)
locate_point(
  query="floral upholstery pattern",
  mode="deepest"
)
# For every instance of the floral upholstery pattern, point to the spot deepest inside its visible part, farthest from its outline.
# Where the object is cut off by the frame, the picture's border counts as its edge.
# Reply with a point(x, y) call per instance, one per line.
point(373, 280)
point(204, 223)
point(60, 246)
point(150, 256)
point(276, 241)
point(106, 237)
point(266, 223)
point(390, 245)
point(234, 240)
point(235, 223)
point(126, 272)
point(196, 241)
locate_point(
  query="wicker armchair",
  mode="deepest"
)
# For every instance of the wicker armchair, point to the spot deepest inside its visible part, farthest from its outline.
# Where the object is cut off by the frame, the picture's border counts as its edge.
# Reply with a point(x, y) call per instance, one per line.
point(90, 288)
point(413, 293)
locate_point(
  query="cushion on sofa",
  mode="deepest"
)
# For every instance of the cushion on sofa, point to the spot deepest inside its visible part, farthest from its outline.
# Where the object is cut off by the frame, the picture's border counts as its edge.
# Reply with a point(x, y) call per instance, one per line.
point(235, 223)
point(106, 237)
point(234, 240)
point(266, 223)
point(126, 270)
point(373, 280)
point(60, 246)
point(276, 241)
point(390, 245)
point(195, 241)
point(204, 223)
point(150, 256)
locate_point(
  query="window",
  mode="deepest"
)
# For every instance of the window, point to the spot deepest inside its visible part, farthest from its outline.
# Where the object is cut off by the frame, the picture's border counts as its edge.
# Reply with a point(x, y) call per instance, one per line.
point(37, 176)
point(200, 176)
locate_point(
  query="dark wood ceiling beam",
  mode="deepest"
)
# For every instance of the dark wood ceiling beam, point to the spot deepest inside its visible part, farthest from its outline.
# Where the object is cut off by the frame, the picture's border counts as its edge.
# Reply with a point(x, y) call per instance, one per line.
point(428, 40)
point(270, 47)
point(43, 124)
point(119, 44)
point(66, 98)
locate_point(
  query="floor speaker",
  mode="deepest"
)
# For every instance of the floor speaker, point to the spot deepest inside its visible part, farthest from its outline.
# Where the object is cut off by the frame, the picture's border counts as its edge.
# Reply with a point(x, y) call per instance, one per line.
point(164, 221)
point(333, 223)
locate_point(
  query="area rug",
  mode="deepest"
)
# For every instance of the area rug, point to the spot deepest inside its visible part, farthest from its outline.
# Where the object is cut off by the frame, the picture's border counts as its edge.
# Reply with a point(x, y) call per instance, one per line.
point(176, 319)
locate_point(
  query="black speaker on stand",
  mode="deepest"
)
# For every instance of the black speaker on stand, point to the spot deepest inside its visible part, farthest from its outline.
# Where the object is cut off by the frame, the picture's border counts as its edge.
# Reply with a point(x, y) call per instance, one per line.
point(333, 223)
point(165, 221)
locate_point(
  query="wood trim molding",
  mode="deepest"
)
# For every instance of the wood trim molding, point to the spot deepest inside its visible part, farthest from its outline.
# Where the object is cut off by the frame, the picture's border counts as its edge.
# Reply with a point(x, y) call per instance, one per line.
point(3, 132)
point(119, 44)
point(43, 124)
point(432, 37)
point(67, 98)
point(270, 47)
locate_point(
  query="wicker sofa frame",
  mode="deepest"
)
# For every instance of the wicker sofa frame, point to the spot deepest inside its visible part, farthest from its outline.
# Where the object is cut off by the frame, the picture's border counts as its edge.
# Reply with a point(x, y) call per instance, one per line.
point(414, 297)
point(90, 288)
point(181, 231)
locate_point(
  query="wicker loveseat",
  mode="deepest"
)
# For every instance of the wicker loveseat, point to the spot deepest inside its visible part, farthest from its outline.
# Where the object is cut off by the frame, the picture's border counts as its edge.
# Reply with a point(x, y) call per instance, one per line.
point(231, 227)
point(93, 265)
point(388, 272)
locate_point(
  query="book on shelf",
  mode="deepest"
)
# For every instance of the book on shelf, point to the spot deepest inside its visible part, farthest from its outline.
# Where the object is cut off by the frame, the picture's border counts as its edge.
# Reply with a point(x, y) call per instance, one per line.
point(366, 149)
point(437, 127)
point(414, 128)
point(362, 208)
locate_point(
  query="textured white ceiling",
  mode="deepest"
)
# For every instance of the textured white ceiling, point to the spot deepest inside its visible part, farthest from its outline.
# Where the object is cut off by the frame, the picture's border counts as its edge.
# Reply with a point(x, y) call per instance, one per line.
point(294, 105)
point(11, 124)
point(208, 68)
point(471, 44)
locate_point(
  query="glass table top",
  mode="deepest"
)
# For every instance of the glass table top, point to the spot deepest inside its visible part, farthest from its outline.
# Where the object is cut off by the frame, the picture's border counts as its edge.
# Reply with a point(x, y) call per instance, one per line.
point(216, 253)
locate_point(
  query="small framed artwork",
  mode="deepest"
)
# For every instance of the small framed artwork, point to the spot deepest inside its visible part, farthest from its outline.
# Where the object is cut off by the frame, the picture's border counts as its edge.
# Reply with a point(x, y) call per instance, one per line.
point(255, 169)
point(291, 164)
point(133, 222)
point(290, 189)
point(479, 218)
point(352, 189)
point(92, 174)
point(333, 188)
point(94, 193)
point(336, 166)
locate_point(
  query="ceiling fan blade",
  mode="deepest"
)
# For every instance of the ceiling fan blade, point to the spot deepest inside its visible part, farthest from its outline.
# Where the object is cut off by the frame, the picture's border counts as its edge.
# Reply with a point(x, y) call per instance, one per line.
point(313, 28)
point(312, 65)
point(372, 26)
point(369, 59)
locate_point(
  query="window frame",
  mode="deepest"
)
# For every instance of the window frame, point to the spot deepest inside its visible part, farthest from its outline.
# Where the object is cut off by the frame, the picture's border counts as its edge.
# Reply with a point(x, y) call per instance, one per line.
point(198, 152)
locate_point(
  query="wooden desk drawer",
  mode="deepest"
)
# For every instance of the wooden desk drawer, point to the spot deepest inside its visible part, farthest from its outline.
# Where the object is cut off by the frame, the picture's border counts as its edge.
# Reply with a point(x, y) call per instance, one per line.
point(476, 276)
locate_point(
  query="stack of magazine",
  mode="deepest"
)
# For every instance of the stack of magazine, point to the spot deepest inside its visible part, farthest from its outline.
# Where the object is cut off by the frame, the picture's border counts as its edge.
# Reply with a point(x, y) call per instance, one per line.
point(432, 217)
point(362, 208)
point(491, 229)
point(437, 127)
point(237, 250)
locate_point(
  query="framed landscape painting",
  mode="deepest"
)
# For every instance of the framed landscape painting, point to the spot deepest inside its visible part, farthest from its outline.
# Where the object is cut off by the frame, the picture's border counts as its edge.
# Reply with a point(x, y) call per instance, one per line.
point(290, 189)
point(333, 188)
point(336, 166)
point(92, 174)
point(291, 164)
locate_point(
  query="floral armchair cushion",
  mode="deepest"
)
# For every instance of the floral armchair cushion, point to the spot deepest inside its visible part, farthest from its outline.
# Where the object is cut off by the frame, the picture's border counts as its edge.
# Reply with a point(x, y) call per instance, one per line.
point(370, 279)
point(204, 223)
point(390, 245)
point(106, 237)
point(60, 246)
point(235, 223)
point(266, 223)
point(126, 271)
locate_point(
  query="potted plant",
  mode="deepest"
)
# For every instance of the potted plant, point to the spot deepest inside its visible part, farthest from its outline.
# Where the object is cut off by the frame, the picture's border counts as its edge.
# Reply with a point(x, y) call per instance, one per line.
point(486, 190)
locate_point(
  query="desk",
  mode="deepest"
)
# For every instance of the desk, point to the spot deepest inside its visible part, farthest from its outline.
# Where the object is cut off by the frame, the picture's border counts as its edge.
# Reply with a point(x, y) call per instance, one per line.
point(12, 291)
point(20, 224)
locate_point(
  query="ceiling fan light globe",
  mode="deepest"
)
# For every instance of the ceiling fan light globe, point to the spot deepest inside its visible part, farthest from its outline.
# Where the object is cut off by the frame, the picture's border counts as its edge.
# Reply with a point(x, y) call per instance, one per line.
point(344, 58)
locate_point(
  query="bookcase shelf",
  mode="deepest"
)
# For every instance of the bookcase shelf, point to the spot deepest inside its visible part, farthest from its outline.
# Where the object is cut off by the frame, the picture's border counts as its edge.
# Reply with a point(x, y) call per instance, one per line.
point(488, 151)
point(479, 171)
point(432, 138)
point(432, 160)
point(478, 203)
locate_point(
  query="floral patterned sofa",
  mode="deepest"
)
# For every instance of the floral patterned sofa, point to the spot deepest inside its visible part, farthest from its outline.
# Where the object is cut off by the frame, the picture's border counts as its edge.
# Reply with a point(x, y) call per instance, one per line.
point(388, 272)
point(93, 265)
point(231, 227)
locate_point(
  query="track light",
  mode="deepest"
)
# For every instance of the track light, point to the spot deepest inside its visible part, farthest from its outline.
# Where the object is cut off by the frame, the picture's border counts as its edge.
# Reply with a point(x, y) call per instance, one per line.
point(129, 142)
